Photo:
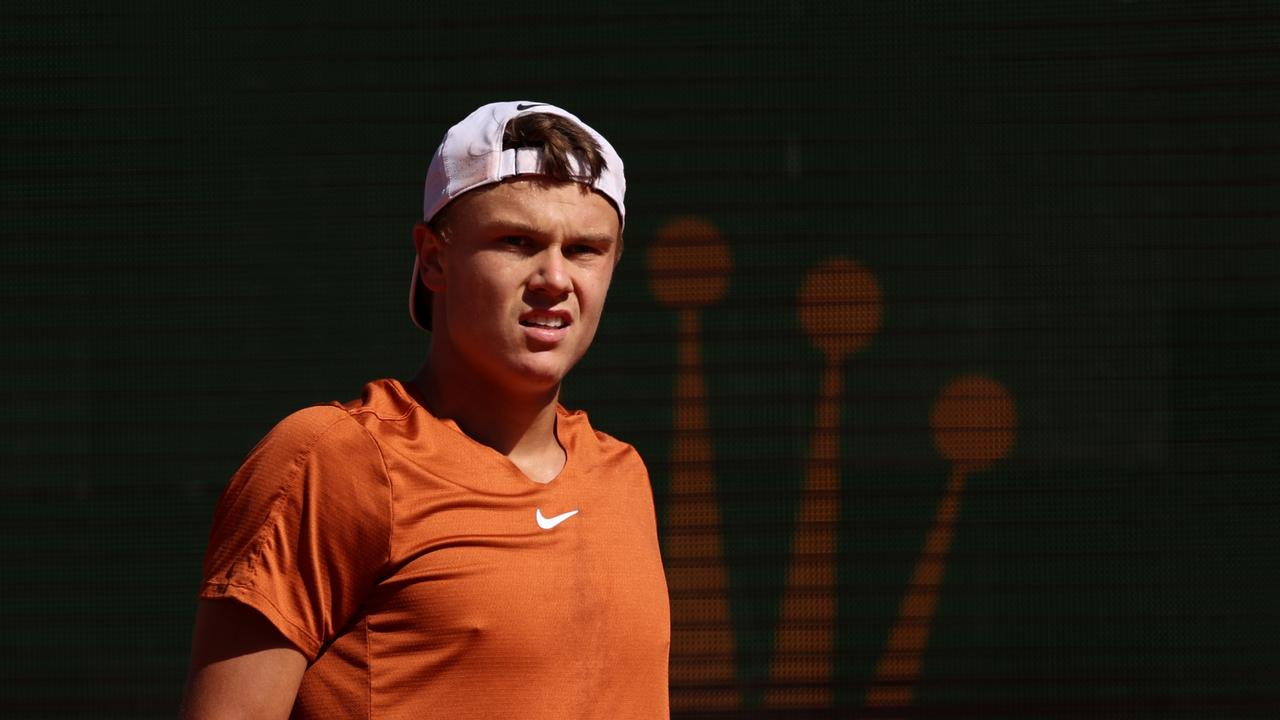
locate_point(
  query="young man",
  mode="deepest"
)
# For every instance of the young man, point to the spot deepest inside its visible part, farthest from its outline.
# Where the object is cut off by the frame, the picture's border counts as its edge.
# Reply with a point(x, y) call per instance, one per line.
point(458, 545)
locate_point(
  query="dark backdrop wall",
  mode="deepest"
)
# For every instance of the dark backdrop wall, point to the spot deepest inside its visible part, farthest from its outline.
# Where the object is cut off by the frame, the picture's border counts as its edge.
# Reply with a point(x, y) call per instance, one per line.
point(949, 330)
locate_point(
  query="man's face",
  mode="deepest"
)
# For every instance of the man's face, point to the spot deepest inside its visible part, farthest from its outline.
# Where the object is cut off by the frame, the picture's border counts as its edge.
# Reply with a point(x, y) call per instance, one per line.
point(520, 274)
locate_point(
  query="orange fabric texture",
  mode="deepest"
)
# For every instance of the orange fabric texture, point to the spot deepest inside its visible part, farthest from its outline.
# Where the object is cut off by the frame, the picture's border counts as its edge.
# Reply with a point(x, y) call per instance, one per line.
point(411, 566)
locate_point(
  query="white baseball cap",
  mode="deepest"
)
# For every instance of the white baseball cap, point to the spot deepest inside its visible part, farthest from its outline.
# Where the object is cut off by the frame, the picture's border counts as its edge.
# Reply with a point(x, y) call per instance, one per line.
point(471, 156)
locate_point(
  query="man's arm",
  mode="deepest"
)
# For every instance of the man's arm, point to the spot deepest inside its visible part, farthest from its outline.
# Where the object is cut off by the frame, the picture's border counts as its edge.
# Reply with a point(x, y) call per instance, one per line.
point(241, 666)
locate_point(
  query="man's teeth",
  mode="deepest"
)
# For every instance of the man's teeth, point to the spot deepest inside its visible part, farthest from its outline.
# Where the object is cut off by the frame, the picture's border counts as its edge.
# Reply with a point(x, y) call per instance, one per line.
point(546, 322)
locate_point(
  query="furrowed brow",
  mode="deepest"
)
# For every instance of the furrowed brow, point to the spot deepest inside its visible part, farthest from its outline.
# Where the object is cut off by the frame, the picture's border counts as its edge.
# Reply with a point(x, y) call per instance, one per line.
point(594, 239)
point(518, 227)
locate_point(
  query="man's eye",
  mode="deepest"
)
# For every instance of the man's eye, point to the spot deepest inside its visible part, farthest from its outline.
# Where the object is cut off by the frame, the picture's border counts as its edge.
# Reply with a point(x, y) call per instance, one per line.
point(515, 240)
point(583, 250)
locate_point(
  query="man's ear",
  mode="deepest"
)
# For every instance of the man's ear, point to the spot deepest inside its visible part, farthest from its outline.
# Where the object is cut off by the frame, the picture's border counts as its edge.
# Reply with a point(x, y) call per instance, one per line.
point(429, 245)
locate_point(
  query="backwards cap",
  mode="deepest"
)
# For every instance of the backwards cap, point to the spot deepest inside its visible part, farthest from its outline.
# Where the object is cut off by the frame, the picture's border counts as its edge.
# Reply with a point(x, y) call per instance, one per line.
point(471, 156)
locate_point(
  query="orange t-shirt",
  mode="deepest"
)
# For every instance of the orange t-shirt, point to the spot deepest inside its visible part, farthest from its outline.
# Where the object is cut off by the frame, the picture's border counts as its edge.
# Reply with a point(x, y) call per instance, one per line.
point(423, 575)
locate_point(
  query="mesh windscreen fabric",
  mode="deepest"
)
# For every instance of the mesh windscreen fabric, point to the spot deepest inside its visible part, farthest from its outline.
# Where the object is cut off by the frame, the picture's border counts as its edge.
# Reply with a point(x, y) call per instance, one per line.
point(948, 332)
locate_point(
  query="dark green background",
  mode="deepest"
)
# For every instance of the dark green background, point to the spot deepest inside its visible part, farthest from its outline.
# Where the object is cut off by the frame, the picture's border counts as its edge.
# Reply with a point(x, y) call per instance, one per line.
point(205, 217)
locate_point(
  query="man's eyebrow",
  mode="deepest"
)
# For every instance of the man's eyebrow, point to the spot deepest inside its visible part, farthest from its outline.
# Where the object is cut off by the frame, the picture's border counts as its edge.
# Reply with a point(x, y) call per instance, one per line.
point(514, 227)
point(518, 227)
point(596, 238)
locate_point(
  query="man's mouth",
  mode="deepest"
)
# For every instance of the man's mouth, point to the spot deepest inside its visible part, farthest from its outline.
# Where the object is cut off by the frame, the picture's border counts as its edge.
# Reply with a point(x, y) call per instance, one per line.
point(548, 320)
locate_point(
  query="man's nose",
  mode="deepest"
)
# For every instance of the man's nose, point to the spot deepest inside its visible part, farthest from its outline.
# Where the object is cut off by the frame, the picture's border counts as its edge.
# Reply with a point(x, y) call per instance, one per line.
point(552, 273)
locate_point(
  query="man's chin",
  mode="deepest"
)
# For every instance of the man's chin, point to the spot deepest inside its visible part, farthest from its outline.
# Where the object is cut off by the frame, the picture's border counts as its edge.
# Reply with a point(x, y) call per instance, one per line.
point(541, 376)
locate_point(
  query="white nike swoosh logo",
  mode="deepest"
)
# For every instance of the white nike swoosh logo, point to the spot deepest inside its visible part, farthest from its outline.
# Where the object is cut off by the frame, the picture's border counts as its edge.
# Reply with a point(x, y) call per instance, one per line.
point(546, 523)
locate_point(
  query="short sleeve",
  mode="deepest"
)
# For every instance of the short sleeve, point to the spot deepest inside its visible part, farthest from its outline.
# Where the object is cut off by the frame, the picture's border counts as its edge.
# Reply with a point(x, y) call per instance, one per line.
point(302, 531)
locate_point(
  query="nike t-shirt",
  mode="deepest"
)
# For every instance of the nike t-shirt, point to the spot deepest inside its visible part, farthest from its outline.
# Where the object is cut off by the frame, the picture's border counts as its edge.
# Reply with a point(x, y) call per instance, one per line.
point(423, 575)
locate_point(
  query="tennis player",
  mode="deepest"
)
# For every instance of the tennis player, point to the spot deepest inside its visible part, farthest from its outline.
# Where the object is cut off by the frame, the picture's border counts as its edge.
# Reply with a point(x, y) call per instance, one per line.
point(457, 545)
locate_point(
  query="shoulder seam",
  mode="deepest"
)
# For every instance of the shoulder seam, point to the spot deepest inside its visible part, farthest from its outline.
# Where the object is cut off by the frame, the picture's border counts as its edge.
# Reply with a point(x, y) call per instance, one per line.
point(386, 475)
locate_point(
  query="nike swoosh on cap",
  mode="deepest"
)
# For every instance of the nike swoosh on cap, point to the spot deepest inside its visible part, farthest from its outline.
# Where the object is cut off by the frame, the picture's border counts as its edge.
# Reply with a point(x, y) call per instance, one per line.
point(526, 106)
point(546, 523)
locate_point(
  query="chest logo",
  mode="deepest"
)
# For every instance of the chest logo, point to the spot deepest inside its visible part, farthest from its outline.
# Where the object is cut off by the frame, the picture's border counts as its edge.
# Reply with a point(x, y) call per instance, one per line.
point(546, 523)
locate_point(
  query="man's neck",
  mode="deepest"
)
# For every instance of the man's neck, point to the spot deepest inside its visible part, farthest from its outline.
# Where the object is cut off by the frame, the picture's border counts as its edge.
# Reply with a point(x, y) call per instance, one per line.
point(521, 426)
